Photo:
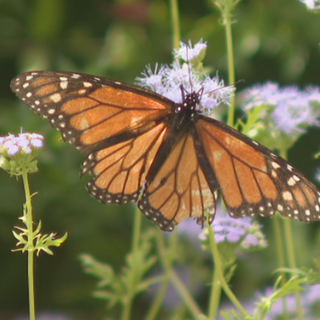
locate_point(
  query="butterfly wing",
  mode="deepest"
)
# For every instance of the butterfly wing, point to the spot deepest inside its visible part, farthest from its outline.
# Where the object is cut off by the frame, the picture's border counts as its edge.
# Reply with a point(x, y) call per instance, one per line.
point(121, 169)
point(252, 179)
point(91, 112)
point(179, 188)
point(119, 126)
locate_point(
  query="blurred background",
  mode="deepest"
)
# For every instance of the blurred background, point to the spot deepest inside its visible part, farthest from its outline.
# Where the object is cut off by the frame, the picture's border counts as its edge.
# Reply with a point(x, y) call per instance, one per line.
point(273, 41)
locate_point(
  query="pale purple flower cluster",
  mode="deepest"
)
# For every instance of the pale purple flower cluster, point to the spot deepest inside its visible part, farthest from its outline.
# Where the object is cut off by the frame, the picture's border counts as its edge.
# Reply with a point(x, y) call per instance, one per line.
point(167, 81)
point(291, 110)
point(188, 53)
point(312, 4)
point(24, 142)
point(246, 232)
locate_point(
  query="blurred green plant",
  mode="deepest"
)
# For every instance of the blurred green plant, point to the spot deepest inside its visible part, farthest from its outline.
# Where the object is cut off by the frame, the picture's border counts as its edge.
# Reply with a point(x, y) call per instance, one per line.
point(17, 157)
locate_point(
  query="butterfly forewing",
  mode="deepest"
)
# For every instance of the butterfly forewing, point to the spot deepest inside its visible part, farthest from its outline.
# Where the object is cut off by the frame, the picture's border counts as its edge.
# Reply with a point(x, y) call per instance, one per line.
point(252, 179)
point(90, 112)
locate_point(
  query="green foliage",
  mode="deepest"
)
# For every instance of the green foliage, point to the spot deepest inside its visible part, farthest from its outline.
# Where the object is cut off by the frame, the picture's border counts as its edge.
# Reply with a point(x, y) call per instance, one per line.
point(43, 242)
point(130, 280)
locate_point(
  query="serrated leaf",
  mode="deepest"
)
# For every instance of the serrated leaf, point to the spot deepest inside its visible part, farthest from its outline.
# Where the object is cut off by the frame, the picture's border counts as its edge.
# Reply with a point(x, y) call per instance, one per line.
point(45, 241)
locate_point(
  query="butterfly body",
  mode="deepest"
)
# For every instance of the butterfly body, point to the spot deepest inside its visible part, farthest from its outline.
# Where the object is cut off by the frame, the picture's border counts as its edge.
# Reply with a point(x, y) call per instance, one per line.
point(166, 156)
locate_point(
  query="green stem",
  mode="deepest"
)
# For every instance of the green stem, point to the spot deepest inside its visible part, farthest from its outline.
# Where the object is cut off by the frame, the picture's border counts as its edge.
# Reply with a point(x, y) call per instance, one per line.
point(184, 294)
point(280, 255)
point(132, 282)
point(220, 277)
point(156, 305)
point(279, 246)
point(231, 72)
point(289, 243)
point(215, 296)
point(29, 218)
point(292, 263)
point(175, 21)
point(172, 275)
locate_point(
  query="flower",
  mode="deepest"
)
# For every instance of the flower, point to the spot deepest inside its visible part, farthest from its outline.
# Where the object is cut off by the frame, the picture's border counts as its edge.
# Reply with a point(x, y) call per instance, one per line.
point(172, 82)
point(189, 53)
point(241, 234)
point(24, 143)
point(311, 4)
point(18, 152)
point(286, 114)
point(291, 108)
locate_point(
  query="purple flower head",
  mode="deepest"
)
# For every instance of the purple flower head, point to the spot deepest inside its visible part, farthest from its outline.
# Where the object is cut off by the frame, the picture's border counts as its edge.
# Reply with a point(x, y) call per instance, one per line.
point(312, 4)
point(291, 109)
point(189, 53)
point(153, 79)
point(287, 112)
point(244, 233)
point(167, 81)
point(24, 143)
point(17, 153)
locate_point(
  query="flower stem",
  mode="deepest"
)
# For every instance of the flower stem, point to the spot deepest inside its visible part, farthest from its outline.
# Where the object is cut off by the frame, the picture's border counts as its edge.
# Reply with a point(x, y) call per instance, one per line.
point(157, 303)
point(132, 284)
point(226, 8)
point(231, 72)
point(28, 215)
point(215, 295)
point(290, 251)
point(218, 269)
point(175, 21)
point(172, 275)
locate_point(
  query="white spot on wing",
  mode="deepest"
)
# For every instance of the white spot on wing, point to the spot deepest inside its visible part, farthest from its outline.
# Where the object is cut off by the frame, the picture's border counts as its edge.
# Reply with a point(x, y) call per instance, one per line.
point(287, 195)
point(64, 85)
point(275, 165)
point(291, 182)
point(56, 97)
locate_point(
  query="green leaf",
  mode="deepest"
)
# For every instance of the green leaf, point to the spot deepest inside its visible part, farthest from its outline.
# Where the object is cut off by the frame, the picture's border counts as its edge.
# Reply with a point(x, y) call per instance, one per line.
point(44, 242)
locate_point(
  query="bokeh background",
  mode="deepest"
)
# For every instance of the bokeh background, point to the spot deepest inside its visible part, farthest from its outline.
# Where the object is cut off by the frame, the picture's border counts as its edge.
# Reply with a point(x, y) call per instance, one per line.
point(274, 40)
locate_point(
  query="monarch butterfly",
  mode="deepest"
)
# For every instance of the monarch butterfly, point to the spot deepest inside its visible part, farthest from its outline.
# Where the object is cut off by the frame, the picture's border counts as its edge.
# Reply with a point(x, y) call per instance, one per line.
point(166, 156)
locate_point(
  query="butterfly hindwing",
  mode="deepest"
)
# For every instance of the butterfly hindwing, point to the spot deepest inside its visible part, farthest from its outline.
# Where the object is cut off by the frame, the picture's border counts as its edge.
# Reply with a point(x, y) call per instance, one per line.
point(121, 169)
point(179, 189)
point(252, 179)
